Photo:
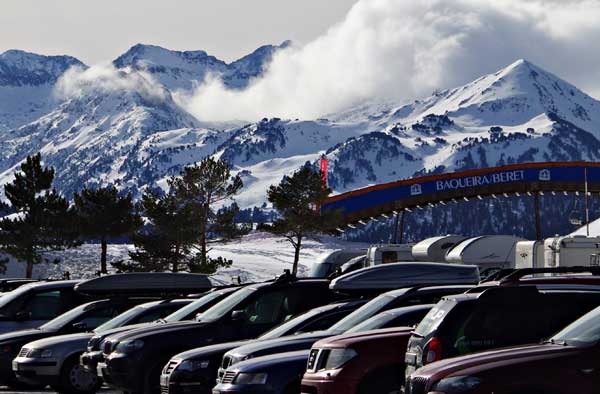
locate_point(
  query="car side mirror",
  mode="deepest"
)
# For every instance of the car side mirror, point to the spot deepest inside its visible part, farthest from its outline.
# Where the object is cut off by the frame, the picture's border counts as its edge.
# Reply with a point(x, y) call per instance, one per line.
point(22, 316)
point(79, 326)
point(238, 315)
point(198, 316)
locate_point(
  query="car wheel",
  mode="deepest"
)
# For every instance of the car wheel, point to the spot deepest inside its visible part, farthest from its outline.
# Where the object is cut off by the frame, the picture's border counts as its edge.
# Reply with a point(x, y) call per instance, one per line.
point(152, 380)
point(75, 379)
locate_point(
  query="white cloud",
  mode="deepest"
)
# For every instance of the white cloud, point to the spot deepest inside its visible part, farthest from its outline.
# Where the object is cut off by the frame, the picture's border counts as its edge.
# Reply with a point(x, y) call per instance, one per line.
point(104, 78)
point(404, 49)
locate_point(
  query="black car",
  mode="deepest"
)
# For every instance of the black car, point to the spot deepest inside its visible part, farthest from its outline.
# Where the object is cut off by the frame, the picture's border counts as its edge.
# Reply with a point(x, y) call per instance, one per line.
point(496, 317)
point(134, 359)
point(31, 305)
point(90, 359)
point(82, 318)
point(393, 299)
point(195, 371)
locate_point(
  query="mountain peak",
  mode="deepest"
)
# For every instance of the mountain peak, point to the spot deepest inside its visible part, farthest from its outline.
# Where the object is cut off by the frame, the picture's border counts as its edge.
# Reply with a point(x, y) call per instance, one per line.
point(18, 68)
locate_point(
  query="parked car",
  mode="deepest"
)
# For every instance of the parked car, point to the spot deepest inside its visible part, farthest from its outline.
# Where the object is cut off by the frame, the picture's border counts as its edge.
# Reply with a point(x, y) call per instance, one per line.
point(290, 379)
point(516, 311)
point(274, 374)
point(9, 284)
point(365, 363)
point(82, 318)
point(134, 359)
point(392, 299)
point(31, 305)
point(94, 353)
point(195, 371)
point(566, 363)
point(54, 361)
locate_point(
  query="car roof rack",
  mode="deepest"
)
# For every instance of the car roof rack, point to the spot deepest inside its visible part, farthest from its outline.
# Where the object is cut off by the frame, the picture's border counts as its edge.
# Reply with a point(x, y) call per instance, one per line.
point(520, 273)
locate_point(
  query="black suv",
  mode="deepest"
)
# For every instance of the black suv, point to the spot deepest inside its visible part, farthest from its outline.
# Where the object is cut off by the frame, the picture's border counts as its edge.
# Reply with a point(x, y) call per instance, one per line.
point(508, 313)
point(134, 359)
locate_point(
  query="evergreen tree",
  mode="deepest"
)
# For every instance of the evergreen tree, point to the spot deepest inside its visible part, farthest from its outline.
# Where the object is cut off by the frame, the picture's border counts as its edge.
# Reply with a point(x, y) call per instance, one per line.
point(42, 219)
point(297, 199)
point(199, 188)
point(226, 226)
point(103, 214)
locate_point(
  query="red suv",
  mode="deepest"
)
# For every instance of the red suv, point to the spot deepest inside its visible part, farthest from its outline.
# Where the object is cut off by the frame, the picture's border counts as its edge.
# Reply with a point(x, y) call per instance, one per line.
point(564, 364)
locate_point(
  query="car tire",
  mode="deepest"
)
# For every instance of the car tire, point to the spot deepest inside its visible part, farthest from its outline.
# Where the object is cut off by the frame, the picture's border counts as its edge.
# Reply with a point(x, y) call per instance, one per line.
point(152, 378)
point(75, 379)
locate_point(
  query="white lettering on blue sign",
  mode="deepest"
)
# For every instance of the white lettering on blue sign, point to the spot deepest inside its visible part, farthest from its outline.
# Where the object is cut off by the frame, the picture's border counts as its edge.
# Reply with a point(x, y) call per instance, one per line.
point(480, 180)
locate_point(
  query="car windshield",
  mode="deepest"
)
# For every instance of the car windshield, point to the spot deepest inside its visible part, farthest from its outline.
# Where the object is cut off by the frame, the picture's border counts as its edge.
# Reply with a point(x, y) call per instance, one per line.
point(226, 305)
point(366, 311)
point(189, 311)
point(582, 332)
point(66, 318)
point(289, 326)
point(321, 270)
point(377, 321)
point(9, 297)
point(120, 320)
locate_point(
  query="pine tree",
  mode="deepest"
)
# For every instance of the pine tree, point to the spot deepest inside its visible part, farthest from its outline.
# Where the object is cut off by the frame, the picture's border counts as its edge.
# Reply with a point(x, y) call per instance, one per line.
point(42, 219)
point(225, 224)
point(102, 214)
point(199, 188)
point(297, 199)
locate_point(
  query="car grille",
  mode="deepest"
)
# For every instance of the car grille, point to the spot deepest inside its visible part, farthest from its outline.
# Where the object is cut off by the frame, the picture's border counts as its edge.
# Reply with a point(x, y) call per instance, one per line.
point(170, 367)
point(23, 353)
point(417, 385)
point(228, 377)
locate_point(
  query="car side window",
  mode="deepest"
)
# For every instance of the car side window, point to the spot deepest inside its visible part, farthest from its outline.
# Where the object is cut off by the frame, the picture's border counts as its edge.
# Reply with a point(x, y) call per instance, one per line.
point(43, 305)
point(267, 308)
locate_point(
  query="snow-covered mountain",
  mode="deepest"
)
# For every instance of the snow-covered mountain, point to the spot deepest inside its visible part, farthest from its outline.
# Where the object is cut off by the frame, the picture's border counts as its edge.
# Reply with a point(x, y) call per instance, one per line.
point(135, 135)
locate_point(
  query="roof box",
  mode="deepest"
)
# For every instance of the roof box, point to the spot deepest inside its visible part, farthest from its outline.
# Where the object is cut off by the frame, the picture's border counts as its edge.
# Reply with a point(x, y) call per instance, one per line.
point(435, 248)
point(398, 275)
point(146, 283)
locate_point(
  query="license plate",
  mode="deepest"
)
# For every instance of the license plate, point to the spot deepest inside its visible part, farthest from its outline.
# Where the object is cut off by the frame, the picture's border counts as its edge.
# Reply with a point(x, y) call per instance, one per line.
point(410, 359)
point(164, 380)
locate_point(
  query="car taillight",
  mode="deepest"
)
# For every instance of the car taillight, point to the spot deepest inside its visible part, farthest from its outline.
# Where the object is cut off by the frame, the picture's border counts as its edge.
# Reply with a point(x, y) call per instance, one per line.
point(433, 350)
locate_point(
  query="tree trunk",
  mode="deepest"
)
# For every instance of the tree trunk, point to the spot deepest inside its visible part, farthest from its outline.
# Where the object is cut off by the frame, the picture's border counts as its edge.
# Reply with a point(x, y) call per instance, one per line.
point(103, 269)
point(297, 256)
point(203, 252)
point(29, 270)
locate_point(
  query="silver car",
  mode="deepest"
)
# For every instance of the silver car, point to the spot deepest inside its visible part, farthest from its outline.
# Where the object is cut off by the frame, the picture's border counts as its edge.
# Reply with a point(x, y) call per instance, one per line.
point(54, 361)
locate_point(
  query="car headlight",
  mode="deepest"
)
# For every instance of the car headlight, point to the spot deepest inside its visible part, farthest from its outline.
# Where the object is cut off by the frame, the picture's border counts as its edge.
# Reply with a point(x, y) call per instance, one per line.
point(251, 378)
point(39, 353)
point(129, 346)
point(338, 357)
point(457, 384)
point(193, 365)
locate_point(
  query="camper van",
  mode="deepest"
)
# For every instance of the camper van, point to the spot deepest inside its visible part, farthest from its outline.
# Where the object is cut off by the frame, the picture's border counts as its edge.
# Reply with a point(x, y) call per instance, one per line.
point(488, 251)
point(436, 248)
point(328, 263)
point(529, 254)
point(571, 250)
point(390, 253)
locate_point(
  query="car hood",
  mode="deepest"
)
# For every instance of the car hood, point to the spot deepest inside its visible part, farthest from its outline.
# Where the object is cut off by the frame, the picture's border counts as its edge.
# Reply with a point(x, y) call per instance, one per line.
point(25, 335)
point(479, 362)
point(279, 360)
point(205, 351)
point(140, 333)
point(61, 340)
point(279, 345)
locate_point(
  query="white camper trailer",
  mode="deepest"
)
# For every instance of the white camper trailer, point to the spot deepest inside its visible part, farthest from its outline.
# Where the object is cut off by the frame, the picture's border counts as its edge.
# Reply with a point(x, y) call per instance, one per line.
point(529, 254)
point(390, 253)
point(571, 251)
point(488, 251)
point(435, 248)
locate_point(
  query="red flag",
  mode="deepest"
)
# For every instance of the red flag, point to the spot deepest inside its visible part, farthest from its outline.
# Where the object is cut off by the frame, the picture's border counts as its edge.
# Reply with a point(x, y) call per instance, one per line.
point(324, 170)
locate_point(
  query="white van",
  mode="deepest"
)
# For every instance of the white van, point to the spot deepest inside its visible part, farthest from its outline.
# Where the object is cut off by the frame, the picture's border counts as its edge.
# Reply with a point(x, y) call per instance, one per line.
point(329, 262)
point(571, 251)
point(529, 254)
point(435, 248)
point(389, 253)
point(488, 251)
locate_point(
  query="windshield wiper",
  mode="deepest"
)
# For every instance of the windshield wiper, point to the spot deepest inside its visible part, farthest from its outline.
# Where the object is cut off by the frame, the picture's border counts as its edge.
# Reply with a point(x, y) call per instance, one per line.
point(556, 342)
